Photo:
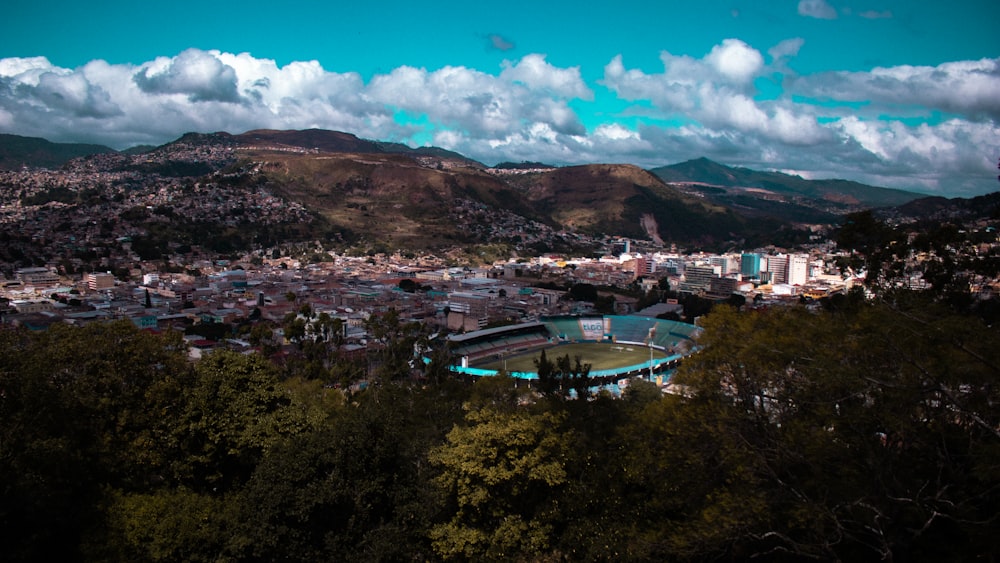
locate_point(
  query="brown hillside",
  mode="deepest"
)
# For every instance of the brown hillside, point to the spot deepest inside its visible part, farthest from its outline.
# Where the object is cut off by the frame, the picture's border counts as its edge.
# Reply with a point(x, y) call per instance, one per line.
point(618, 198)
point(389, 197)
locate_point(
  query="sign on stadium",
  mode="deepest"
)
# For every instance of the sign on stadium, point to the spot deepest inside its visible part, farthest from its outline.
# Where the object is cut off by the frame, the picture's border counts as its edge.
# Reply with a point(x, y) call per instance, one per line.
point(593, 329)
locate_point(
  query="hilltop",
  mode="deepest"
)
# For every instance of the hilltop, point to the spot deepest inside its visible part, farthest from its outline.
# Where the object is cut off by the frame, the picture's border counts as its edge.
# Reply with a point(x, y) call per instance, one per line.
point(261, 188)
point(777, 194)
point(17, 152)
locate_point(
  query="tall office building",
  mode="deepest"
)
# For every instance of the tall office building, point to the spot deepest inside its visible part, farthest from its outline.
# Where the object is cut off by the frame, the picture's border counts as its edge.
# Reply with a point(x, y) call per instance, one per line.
point(698, 278)
point(750, 265)
point(798, 269)
point(777, 266)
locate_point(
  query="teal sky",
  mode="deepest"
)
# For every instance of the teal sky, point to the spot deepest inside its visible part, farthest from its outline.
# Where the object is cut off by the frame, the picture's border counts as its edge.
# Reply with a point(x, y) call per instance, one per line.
point(897, 93)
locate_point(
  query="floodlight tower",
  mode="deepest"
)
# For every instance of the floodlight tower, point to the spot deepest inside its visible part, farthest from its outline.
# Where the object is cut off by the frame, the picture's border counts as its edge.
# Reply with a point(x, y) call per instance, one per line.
point(649, 342)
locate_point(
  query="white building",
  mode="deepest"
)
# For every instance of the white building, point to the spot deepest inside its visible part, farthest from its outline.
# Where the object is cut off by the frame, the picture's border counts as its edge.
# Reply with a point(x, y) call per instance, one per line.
point(798, 269)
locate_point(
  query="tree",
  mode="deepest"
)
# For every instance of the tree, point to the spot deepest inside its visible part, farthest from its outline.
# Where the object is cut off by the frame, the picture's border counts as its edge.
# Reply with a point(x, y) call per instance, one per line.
point(397, 343)
point(81, 409)
point(501, 472)
point(294, 327)
point(799, 440)
point(559, 377)
point(235, 412)
point(408, 285)
point(357, 488)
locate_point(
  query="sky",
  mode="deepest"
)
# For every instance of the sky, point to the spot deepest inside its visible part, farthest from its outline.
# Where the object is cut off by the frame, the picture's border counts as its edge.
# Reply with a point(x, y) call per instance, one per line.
point(895, 93)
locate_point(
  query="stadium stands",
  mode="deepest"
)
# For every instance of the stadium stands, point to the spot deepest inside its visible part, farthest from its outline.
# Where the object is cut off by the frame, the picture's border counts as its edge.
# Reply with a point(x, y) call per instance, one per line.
point(565, 328)
point(633, 329)
point(476, 347)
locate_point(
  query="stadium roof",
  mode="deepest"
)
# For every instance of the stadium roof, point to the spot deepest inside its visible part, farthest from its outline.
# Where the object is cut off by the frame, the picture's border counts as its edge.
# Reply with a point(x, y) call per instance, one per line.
point(460, 338)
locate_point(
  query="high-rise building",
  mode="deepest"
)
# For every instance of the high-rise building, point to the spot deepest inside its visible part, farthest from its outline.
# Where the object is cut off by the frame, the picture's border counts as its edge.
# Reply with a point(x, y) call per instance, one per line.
point(722, 262)
point(798, 269)
point(698, 278)
point(750, 265)
point(777, 265)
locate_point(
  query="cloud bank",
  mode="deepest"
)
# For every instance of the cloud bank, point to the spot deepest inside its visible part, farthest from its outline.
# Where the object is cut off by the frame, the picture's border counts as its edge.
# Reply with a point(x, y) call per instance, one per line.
point(932, 129)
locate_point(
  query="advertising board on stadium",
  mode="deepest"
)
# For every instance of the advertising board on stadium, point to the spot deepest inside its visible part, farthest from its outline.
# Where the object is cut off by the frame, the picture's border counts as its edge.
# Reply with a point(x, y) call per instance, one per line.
point(593, 329)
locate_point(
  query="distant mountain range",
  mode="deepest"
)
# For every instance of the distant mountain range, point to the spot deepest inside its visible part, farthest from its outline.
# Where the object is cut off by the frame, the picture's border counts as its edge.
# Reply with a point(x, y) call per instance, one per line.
point(430, 197)
point(770, 193)
point(17, 152)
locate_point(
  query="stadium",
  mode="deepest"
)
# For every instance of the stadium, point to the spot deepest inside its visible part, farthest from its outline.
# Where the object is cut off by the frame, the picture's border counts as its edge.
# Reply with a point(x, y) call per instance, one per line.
point(617, 348)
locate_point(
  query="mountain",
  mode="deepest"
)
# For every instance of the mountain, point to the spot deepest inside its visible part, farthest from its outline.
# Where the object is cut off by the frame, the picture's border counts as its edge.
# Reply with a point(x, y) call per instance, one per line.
point(321, 140)
point(776, 194)
point(943, 209)
point(426, 197)
point(34, 152)
point(626, 200)
point(227, 193)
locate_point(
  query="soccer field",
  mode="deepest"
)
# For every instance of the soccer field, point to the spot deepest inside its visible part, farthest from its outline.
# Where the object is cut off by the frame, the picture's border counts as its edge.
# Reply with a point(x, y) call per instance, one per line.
point(599, 356)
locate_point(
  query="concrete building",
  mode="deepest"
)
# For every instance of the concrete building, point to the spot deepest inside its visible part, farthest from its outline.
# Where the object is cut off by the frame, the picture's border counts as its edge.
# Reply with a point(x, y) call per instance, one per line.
point(37, 276)
point(798, 269)
point(777, 266)
point(698, 279)
point(98, 281)
point(25, 306)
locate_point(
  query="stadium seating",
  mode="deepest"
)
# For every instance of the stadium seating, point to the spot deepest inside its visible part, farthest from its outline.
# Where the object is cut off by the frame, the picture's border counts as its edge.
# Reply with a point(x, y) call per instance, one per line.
point(632, 329)
point(566, 328)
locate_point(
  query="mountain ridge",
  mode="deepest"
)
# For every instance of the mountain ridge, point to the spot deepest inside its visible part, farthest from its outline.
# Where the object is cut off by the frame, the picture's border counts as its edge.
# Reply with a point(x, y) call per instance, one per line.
point(397, 196)
point(834, 190)
point(17, 151)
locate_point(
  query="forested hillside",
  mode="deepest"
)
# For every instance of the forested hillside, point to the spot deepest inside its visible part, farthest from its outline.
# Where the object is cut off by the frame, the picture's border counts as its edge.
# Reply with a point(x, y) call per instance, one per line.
point(855, 432)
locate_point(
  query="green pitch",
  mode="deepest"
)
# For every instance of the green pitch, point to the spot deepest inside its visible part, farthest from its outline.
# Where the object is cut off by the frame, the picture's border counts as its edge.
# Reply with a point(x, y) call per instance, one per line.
point(599, 356)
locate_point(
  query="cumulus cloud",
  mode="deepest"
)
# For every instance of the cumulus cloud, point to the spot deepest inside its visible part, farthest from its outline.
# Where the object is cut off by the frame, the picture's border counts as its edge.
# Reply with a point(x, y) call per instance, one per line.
point(484, 105)
point(534, 72)
point(816, 123)
point(735, 60)
point(834, 124)
point(209, 90)
point(964, 87)
point(717, 91)
point(199, 75)
point(817, 9)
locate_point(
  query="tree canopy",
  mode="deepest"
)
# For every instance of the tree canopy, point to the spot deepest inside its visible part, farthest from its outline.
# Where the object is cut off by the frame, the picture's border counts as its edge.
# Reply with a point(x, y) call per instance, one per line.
point(862, 431)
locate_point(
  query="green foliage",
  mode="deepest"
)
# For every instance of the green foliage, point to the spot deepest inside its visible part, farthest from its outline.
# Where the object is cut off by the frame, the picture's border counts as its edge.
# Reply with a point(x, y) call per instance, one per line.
point(559, 377)
point(502, 471)
point(171, 525)
point(859, 431)
point(355, 489)
point(78, 408)
point(397, 344)
point(853, 435)
point(236, 411)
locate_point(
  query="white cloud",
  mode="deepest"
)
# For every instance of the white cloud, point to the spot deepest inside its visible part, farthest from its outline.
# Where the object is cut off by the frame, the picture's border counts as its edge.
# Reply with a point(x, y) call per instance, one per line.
point(198, 74)
point(615, 132)
point(525, 110)
point(786, 49)
point(534, 72)
point(736, 60)
point(209, 90)
point(717, 91)
point(524, 94)
point(963, 87)
point(817, 9)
